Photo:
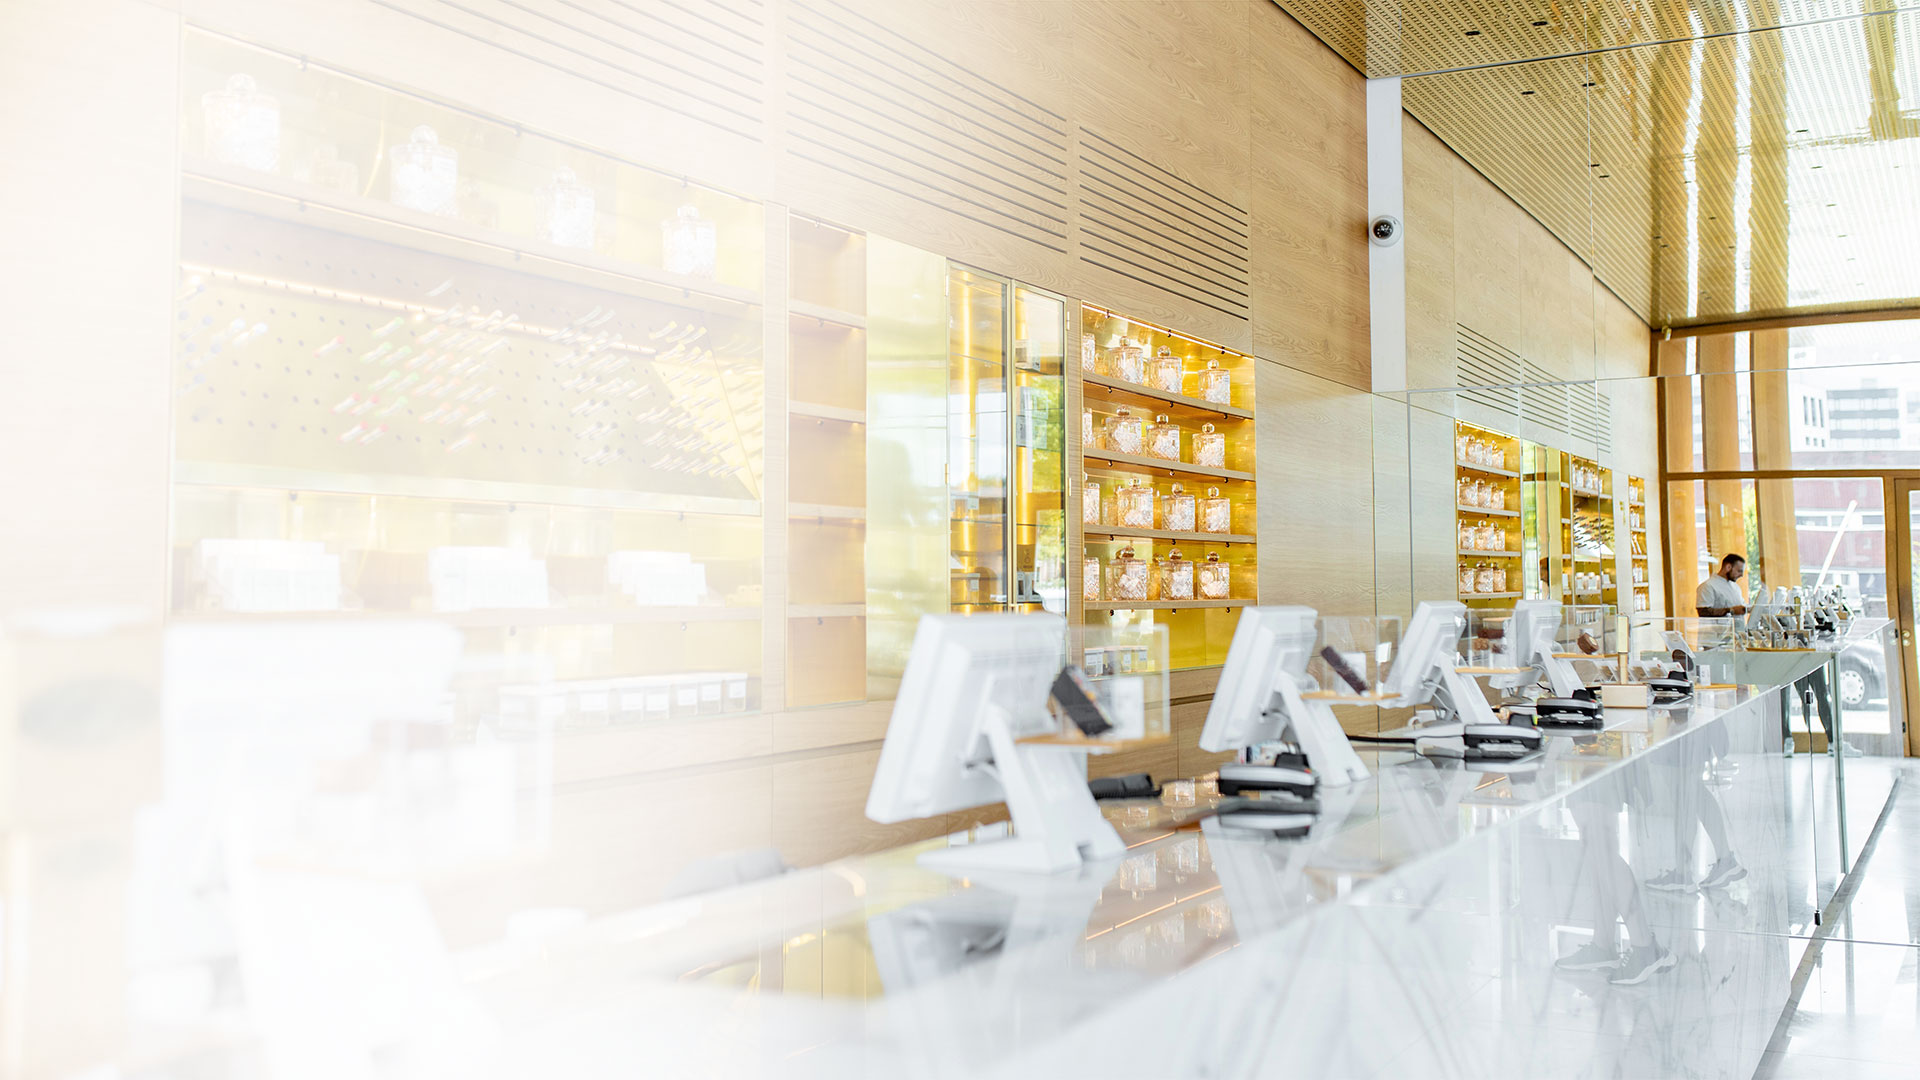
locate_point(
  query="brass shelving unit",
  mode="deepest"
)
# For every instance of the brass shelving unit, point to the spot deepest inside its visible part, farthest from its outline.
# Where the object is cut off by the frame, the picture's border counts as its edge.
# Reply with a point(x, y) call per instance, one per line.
point(1500, 474)
point(1638, 571)
point(1199, 630)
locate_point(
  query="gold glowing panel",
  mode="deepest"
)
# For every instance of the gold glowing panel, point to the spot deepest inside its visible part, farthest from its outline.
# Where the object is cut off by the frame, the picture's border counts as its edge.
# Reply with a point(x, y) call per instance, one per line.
point(1704, 178)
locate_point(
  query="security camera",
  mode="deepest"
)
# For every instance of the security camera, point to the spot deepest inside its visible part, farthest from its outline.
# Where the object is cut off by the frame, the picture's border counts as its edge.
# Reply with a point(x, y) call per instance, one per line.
point(1385, 230)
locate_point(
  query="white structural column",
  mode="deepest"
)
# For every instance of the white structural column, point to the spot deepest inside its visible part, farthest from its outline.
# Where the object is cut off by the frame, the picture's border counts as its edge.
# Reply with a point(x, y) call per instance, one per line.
point(1386, 261)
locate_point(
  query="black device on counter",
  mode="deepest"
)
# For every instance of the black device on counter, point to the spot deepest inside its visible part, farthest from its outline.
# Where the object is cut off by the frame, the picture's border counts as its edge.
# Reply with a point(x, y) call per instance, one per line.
point(1504, 741)
point(1075, 697)
point(1288, 773)
point(1275, 813)
point(1582, 710)
point(1673, 687)
point(1131, 786)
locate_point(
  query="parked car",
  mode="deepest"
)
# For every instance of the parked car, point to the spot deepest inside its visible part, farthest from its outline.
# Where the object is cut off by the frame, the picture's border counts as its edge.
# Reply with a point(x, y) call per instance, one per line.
point(1863, 674)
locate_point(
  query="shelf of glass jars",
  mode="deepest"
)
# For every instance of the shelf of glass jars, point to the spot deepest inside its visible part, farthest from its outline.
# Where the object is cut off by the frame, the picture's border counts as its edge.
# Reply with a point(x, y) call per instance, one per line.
point(378, 220)
point(493, 617)
point(453, 489)
point(1488, 470)
point(1115, 532)
point(1485, 512)
point(1472, 554)
point(1178, 406)
point(1161, 605)
point(1118, 462)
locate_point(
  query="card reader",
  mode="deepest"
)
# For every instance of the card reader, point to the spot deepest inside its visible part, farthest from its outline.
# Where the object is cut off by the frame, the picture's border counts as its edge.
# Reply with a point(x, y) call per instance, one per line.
point(1238, 779)
point(1573, 712)
point(1671, 688)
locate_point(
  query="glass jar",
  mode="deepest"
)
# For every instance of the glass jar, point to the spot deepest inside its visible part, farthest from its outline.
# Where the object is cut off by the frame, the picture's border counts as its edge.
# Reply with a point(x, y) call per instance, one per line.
point(1464, 492)
point(1469, 584)
point(1216, 578)
point(1169, 374)
point(1483, 576)
point(1492, 537)
point(566, 211)
point(1087, 440)
point(1176, 577)
point(1496, 497)
point(1128, 578)
point(1090, 579)
point(423, 175)
point(1126, 433)
point(1129, 362)
point(1216, 512)
point(1163, 439)
point(1176, 510)
point(1479, 494)
point(242, 125)
point(1210, 448)
point(1089, 355)
point(1468, 539)
point(690, 242)
point(1463, 448)
point(1133, 506)
point(325, 168)
point(1216, 384)
point(1090, 503)
point(1499, 578)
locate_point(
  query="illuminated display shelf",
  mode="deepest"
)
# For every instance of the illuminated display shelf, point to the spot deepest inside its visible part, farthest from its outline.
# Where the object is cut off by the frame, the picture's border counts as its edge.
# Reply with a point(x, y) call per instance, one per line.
point(1505, 476)
point(826, 646)
point(1198, 630)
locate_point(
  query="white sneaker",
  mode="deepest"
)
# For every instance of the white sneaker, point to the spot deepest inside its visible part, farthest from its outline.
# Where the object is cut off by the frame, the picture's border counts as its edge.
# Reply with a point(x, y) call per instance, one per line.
point(1847, 749)
point(1589, 957)
point(1641, 965)
point(1723, 872)
point(1671, 881)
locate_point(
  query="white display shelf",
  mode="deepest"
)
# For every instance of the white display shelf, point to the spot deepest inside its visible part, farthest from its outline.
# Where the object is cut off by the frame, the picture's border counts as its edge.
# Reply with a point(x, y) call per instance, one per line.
point(1171, 468)
point(490, 617)
point(1487, 469)
point(1163, 605)
point(276, 478)
point(821, 313)
point(1489, 596)
point(825, 611)
point(1487, 512)
point(813, 411)
point(1490, 554)
point(826, 511)
point(1179, 406)
point(1115, 532)
point(290, 200)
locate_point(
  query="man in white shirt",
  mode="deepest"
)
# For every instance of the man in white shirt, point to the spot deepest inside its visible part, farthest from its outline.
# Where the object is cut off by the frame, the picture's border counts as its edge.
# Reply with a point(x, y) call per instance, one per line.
point(1718, 595)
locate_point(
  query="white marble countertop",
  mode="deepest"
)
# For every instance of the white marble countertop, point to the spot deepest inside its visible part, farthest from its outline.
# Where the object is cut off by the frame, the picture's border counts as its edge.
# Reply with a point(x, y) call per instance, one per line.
point(874, 966)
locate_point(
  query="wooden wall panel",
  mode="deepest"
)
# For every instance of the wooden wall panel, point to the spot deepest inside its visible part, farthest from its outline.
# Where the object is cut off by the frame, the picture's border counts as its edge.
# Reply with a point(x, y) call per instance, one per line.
point(1431, 311)
point(1309, 202)
point(1316, 492)
point(1487, 256)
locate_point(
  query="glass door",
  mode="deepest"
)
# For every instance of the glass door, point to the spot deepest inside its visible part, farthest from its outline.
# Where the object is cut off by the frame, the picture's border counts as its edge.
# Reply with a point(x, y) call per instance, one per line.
point(1006, 445)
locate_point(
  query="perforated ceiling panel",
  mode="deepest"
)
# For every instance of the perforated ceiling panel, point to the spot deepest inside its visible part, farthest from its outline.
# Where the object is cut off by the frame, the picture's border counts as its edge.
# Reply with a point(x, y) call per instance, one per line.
point(1727, 172)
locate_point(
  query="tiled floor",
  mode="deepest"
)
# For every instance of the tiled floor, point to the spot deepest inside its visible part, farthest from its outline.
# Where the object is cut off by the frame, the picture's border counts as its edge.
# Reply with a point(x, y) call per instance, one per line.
point(1858, 1014)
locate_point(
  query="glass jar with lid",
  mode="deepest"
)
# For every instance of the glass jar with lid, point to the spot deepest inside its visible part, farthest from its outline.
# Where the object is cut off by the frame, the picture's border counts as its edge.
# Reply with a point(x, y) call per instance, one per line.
point(1090, 503)
point(424, 175)
point(1133, 505)
point(1168, 372)
point(1469, 581)
point(1463, 494)
point(1216, 384)
point(1483, 575)
point(1176, 577)
point(566, 210)
point(1216, 512)
point(1177, 510)
point(691, 243)
point(1463, 448)
point(1216, 578)
point(1088, 431)
point(242, 125)
point(1163, 439)
point(1210, 447)
point(1126, 433)
point(1090, 579)
point(1499, 578)
point(1128, 578)
point(1128, 362)
point(1469, 536)
point(1089, 355)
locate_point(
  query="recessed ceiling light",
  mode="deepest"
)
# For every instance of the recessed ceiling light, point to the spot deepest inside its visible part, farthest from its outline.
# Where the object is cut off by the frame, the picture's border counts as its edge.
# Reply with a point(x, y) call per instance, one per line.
point(1539, 22)
point(1831, 205)
point(1603, 176)
point(1526, 93)
point(1816, 166)
point(1473, 33)
point(1799, 131)
point(1587, 84)
point(1842, 236)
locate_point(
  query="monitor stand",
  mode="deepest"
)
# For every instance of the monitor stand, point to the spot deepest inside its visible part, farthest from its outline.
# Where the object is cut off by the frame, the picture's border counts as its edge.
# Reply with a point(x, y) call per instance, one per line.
point(1311, 725)
point(1057, 825)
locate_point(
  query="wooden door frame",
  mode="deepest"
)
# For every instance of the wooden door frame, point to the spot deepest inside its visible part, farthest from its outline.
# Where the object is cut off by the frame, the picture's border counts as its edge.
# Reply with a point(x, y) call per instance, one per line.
point(1900, 594)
